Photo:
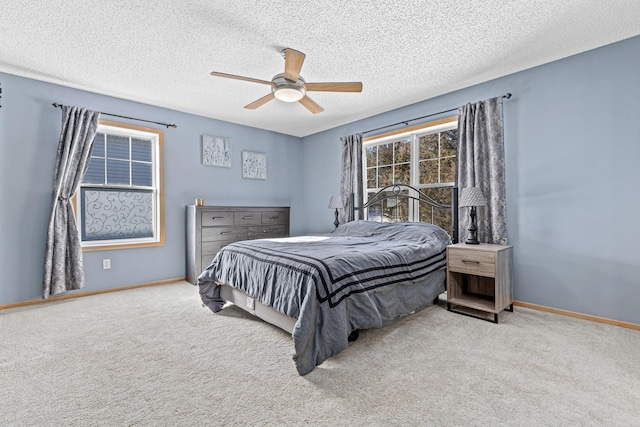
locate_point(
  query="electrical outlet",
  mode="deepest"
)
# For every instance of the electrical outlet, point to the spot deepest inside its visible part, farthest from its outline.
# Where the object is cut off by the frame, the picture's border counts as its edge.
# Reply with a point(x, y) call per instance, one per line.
point(251, 303)
point(106, 264)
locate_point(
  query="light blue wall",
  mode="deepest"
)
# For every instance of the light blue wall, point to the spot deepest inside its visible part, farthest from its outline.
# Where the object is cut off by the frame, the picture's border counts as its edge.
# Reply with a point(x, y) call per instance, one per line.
point(572, 141)
point(29, 130)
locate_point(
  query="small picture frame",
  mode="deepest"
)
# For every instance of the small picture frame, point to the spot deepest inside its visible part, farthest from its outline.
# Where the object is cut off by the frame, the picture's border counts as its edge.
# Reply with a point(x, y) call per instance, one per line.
point(254, 165)
point(216, 151)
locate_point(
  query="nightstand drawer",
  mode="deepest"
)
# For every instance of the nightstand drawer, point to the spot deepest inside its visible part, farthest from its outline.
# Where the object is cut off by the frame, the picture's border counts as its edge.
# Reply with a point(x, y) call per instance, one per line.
point(479, 263)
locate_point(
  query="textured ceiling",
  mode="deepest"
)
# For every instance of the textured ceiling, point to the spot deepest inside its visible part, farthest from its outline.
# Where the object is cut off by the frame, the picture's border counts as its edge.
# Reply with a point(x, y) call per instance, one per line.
point(403, 51)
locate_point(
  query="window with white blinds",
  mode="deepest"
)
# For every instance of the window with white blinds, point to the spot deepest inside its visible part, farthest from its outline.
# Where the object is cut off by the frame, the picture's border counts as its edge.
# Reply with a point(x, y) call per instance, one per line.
point(120, 198)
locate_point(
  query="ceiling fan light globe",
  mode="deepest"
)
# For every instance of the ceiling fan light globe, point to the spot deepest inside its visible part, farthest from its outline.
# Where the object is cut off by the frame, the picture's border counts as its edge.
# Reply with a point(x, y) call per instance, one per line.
point(287, 90)
point(289, 94)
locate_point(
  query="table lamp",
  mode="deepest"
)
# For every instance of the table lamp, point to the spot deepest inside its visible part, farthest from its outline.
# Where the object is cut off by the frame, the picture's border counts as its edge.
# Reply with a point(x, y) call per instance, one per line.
point(335, 202)
point(472, 197)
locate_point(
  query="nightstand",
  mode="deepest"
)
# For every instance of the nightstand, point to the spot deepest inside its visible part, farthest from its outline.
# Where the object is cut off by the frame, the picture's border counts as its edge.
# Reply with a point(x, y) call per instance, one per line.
point(480, 277)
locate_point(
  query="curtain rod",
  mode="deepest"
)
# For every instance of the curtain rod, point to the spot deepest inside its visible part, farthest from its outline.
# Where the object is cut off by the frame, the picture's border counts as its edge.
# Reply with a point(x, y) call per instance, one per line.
point(55, 104)
point(406, 122)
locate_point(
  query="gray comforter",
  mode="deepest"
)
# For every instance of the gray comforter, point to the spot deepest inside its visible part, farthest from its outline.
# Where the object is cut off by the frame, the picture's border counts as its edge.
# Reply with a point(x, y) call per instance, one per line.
point(362, 275)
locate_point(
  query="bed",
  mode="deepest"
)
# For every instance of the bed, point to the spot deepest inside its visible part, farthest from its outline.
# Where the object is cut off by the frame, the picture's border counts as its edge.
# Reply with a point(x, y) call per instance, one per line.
point(324, 288)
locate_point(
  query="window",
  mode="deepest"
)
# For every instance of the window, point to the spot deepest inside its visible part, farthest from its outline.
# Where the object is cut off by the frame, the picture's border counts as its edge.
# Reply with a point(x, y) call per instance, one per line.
point(120, 200)
point(424, 157)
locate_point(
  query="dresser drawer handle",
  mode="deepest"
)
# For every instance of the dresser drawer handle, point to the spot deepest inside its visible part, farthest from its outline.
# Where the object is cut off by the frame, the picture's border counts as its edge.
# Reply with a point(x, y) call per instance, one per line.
point(274, 217)
point(247, 217)
point(217, 217)
point(471, 261)
point(267, 231)
point(225, 232)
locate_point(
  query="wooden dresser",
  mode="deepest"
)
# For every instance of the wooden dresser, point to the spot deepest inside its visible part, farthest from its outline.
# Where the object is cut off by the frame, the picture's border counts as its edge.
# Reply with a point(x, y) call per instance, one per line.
point(209, 228)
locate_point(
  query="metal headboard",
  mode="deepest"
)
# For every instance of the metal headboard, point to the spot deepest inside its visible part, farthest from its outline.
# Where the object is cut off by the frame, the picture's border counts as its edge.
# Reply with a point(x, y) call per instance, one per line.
point(397, 189)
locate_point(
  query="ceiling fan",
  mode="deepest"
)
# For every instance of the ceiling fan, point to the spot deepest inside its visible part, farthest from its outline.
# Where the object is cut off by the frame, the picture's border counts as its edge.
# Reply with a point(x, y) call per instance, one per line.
point(291, 87)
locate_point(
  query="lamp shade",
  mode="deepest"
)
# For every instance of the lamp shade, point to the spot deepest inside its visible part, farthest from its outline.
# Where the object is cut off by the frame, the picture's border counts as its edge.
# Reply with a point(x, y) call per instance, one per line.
point(472, 196)
point(335, 202)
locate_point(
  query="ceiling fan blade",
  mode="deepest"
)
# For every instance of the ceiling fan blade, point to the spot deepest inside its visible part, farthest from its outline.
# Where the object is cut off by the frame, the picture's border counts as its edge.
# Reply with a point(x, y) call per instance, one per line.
point(334, 87)
point(311, 105)
point(260, 102)
point(233, 76)
point(292, 64)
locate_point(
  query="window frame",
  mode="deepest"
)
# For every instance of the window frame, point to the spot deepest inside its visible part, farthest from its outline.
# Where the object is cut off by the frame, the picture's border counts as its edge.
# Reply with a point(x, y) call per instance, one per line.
point(157, 187)
point(413, 133)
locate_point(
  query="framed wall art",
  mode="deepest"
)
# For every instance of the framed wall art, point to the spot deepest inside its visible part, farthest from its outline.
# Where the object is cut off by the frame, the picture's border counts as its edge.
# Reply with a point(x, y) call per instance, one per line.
point(216, 151)
point(254, 165)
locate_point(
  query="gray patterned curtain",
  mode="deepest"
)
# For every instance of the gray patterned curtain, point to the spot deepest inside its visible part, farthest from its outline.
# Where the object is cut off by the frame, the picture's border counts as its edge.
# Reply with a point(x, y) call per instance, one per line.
point(351, 181)
point(481, 164)
point(63, 270)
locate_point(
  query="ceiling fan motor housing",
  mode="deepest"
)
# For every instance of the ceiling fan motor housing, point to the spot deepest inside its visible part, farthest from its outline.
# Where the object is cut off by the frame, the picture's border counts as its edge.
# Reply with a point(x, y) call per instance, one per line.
point(287, 90)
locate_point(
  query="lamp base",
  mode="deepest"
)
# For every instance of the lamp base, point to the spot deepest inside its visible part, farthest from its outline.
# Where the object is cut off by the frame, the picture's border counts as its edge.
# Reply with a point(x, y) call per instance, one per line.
point(473, 229)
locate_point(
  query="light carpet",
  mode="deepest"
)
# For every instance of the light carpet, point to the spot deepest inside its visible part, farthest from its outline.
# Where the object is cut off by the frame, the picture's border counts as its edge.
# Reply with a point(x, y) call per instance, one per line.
point(155, 357)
